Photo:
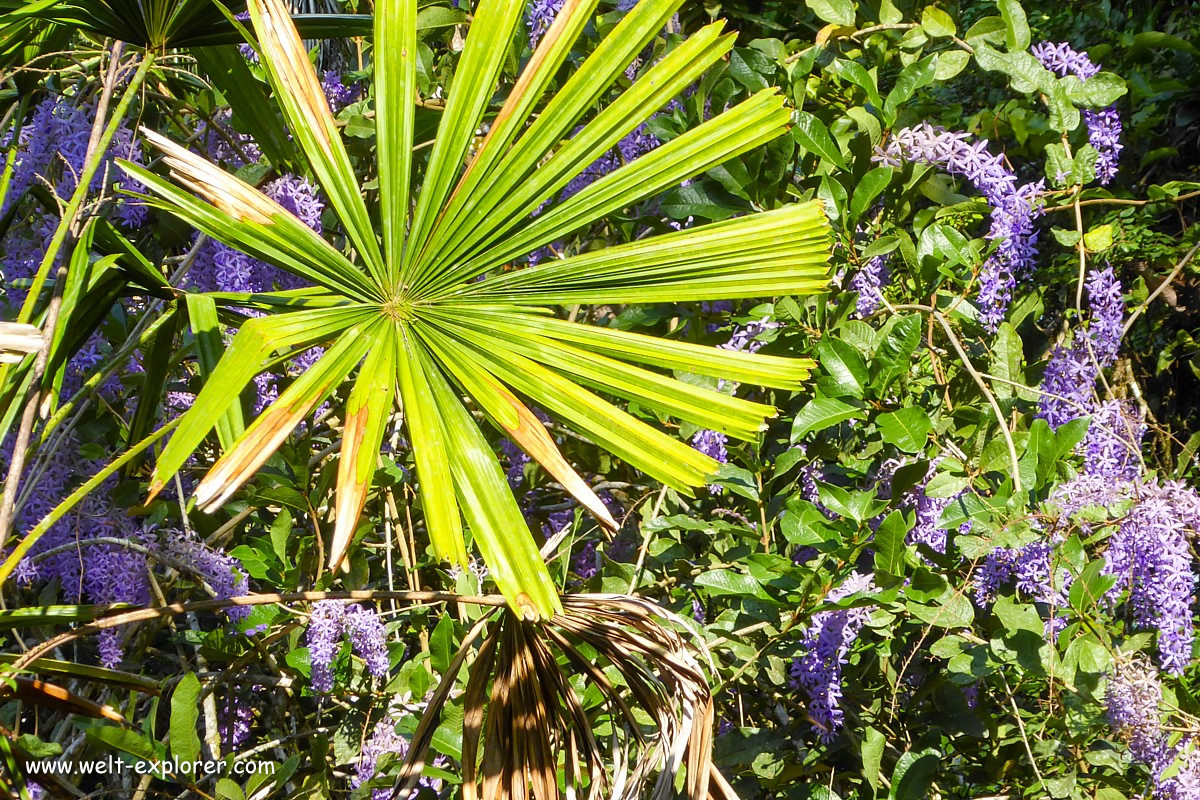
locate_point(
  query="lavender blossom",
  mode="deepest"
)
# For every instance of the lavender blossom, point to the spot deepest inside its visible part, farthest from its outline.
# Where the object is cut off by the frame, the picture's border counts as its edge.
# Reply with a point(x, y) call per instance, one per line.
point(338, 93)
point(1133, 697)
point(826, 646)
point(1107, 305)
point(869, 282)
point(221, 572)
point(237, 716)
point(367, 637)
point(517, 459)
point(324, 640)
point(1151, 557)
point(585, 563)
point(1104, 126)
point(385, 741)
point(539, 16)
point(1014, 209)
point(1113, 443)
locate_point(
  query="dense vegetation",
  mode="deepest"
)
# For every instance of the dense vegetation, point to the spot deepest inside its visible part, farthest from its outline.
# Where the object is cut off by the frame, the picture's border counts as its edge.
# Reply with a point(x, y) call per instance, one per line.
point(599, 398)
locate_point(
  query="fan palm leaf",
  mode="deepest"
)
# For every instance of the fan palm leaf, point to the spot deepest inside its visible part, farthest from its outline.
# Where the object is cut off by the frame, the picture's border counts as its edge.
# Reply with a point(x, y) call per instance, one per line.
point(412, 303)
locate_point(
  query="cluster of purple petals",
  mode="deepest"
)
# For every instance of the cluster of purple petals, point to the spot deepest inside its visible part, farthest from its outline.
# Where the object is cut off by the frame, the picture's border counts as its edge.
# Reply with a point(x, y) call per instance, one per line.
point(1031, 570)
point(52, 147)
point(331, 622)
point(586, 562)
point(1132, 698)
point(516, 459)
point(237, 716)
point(826, 646)
point(220, 268)
point(1113, 443)
point(85, 572)
point(222, 572)
point(1104, 126)
point(1014, 208)
point(539, 16)
point(869, 282)
point(385, 741)
point(1071, 373)
point(1150, 555)
point(337, 92)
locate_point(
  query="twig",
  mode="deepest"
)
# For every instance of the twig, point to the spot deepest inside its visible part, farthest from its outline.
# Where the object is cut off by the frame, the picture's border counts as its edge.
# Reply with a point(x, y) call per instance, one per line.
point(1021, 728)
point(1162, 287)
point(991, 398)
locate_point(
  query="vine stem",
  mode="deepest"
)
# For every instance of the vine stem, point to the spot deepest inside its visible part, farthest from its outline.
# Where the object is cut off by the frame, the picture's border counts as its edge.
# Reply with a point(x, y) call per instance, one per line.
point(1162, 287)
point(68, 226)
point(987, 392)
point(174, 609)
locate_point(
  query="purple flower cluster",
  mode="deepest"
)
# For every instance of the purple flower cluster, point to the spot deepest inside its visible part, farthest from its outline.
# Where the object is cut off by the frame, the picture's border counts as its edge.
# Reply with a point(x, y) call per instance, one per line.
point(826, 646)
point(1014, 208)
point(385, 741)
point(221, 268)
point(869, 282)
point(1151, 557)
point(332, 621)
point(539, 16)
point(337, 92)
point(1133, 699)
point(237, 716)
point(86, 571)
point(225, 146)
point(1113, 443)
point(52, 147)
point(1030, 569)
point(1104, 126)
point(1072, 371)
point(223, 574)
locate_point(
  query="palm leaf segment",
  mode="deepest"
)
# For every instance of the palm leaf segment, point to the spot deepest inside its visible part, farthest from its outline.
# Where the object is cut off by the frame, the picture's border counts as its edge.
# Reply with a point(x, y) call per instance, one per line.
point(410, 307)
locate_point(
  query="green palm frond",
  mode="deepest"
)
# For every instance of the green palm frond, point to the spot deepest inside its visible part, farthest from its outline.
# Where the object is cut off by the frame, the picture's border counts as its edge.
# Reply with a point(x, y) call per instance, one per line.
point(409, 304)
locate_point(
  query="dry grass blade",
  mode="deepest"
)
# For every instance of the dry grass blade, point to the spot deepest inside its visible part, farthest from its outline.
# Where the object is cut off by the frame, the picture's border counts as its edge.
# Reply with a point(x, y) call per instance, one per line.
point(535, 719)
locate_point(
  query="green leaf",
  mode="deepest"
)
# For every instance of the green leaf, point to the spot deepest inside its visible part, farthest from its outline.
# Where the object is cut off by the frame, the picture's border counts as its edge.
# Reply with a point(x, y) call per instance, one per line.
point(846, 368)
point(821, 413)
point(893, 357)
point(206, 330)
point(839, 12)
point(936, 22)
point(871, 750)
point(913, 77)
point(185, 712)
point(721, 582)
point(950, 63)
point(1099, 238)
point(906, 429)
point(890, 549)
point(953, 611)
point(868, 189)
point(441, 645)
point(914, 773)
point(1007, 357)
point(1016, 35)
point(814, 137)
point(1100, 90)
point(395, 118)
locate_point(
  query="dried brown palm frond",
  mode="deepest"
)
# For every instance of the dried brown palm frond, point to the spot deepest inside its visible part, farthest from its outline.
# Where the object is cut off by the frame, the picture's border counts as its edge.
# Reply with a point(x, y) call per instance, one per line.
point(527, 703)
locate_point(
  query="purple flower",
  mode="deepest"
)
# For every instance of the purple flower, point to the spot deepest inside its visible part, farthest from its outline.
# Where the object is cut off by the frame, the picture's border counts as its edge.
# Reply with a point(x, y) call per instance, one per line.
point(869, 282)
point(385, 741)
point(517, 459)
point(331, 621)
point(367, 637)
point(338, 93)
point(1132, 700)
point(826, 646)
point(1104, 126)
point(324, 640)
point(539, 16)
point(585, 563)
point(223, 574)
point(1114, 441)
point(1014, 209)
point(1151, 557)
point(1071, 374)
point(237, 715)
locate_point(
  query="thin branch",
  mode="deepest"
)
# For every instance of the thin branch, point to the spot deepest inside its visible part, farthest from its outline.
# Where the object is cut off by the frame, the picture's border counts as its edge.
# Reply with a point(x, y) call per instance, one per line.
point(1162, 287)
